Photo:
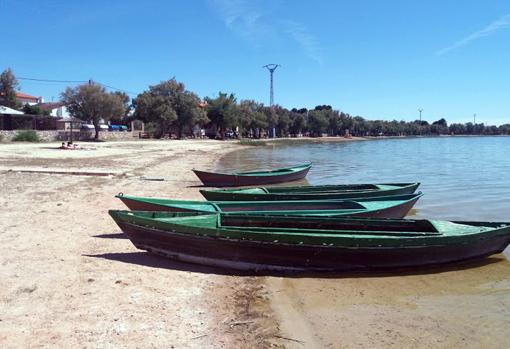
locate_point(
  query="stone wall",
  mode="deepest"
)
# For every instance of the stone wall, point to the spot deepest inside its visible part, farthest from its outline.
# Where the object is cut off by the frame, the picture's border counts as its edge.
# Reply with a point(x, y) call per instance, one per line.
point(55, 135)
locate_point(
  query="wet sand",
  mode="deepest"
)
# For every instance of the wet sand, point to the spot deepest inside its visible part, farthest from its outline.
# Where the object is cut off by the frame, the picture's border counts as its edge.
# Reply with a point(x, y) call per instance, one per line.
point(462, 306)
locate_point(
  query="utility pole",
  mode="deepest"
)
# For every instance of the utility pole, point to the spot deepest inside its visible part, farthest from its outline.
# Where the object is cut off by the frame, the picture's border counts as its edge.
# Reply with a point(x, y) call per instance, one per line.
point(474, 119)
point(271, 68)
point(420, 110)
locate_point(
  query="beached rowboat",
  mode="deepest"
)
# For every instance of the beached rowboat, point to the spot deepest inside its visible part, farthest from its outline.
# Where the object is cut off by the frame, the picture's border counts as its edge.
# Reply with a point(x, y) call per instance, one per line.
point(313, 192)
point(237, 179)
point(309, 243)
point(383, 207)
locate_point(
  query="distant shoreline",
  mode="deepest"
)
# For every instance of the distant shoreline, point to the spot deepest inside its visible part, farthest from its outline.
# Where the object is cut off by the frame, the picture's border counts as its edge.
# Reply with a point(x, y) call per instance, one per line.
point(246, 141)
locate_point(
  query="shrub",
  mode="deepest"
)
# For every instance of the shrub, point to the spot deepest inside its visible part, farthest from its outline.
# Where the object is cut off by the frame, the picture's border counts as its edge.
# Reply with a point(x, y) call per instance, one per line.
point(26, 136)
point(1, 137)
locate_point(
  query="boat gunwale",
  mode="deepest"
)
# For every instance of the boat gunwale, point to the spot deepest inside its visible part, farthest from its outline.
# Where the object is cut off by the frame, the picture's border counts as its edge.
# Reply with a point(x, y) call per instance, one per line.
point(377, 241)
point(217, 205)
point(304, 195)
point(262, 173)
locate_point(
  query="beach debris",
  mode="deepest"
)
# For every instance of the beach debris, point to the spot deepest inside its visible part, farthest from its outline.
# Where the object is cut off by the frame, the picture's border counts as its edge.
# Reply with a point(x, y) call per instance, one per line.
point(72, 173)
point(237, 323)
point(159, 179)
point(289, 339)
point(28, 289)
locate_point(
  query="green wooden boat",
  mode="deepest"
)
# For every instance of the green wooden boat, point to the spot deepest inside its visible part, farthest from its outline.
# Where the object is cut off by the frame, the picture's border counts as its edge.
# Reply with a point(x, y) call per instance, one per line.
point(384, 207)
point(309, 243)
point(314, 192)
point(238, 179)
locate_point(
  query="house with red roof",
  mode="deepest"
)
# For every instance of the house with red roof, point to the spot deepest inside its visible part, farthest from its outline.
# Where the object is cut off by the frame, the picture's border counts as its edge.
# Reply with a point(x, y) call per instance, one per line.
point(25, 98)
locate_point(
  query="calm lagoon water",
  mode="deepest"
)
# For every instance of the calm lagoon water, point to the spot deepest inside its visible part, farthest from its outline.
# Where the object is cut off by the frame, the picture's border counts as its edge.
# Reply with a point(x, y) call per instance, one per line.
point(463, 178)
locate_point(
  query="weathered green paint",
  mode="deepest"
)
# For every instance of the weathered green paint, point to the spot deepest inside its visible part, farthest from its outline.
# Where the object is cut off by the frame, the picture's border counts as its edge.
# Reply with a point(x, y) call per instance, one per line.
point(319, 192)
point(294, 207)
point(316, 231)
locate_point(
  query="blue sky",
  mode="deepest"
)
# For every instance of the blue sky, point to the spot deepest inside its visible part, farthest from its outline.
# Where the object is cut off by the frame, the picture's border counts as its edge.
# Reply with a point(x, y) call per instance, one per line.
point(377, 59)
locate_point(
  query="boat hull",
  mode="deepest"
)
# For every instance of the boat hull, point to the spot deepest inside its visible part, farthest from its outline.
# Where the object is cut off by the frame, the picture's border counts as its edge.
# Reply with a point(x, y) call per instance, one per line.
point(251, 255)
point(219, 195)
point(397, 211)
point(212, 179)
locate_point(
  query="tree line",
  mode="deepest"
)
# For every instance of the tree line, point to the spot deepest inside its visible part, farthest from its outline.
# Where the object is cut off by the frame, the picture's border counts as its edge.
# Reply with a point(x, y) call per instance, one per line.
point(168, 107)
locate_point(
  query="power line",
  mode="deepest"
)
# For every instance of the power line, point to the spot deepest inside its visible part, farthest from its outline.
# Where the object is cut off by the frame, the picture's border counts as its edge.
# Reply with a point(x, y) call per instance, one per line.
point(50, 80)
point(76, 82)
point(118, 89)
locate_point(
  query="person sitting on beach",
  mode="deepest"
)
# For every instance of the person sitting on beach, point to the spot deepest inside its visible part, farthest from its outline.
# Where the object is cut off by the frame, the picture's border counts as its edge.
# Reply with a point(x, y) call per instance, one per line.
point(64, 146)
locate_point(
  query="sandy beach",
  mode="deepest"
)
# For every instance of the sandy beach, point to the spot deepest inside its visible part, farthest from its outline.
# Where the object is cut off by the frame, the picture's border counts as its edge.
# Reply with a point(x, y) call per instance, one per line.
point(72, 279)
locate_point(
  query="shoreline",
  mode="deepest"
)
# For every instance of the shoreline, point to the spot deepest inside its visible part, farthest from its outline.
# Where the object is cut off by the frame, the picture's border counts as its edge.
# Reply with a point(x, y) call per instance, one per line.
point(437, 307)
point(72, 279)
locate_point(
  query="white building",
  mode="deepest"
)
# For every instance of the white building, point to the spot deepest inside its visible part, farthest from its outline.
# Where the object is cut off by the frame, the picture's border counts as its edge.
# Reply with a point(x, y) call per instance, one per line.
point(56, 109)
point(9, 111)
point(25, 98)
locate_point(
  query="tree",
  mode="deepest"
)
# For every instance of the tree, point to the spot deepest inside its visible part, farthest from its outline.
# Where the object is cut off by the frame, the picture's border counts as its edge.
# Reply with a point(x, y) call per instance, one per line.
point(154, 109)
point(323, 107)
point(223, 112)
point(470, 128)
point(334, 122)
point(298, 121)
point(189, 112)
point(126, 101)
point(91, 102)
point(272, 118)
point(281, 119)
point(34, 110)
point(504, 129)
point(317, 122)
point(359, 126)
point(8, 86)
point(169, 104)
point(457, 129)
point(252, 118)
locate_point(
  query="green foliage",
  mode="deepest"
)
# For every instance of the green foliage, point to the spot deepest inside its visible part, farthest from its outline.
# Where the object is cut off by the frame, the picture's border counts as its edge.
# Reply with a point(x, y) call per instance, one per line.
point(151, 127)
point(504, 129)
point(91, 102)
point(34, 110)
point(26, 136)
point(317, 122)
point(252, 118)
point(169, 104)
point(282, 121)
point(297, 121)
point(223, 112)
point(8, 86)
